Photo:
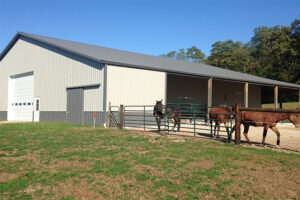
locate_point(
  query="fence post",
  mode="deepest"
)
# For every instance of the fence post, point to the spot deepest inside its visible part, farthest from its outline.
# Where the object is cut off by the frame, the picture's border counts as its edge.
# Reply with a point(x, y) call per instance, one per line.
point(121, 116)
point(231, 128)
point(237, 124)
point(109, 115)
point(144, 118)
point(194, 119)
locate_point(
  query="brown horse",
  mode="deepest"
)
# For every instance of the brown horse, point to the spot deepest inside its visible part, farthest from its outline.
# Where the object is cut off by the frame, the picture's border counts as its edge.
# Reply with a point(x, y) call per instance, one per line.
point(220, 115)
point(172, 112)
point(267, 120)
point(158, 113)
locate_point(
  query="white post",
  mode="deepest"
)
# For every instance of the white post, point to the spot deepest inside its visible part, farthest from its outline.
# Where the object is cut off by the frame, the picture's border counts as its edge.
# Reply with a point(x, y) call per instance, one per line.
point(246, 101)
point(209, 93)
point(209, 96)
point(276, 97)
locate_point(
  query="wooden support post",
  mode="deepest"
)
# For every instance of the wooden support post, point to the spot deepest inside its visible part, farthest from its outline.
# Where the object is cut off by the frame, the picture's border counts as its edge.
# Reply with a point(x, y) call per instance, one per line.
point(299, 98)
point(121, 116)
point(209, 95)
point(246, 95)
point(276, 97)
point(237, 124)
point(209, 92)
point(109, 115)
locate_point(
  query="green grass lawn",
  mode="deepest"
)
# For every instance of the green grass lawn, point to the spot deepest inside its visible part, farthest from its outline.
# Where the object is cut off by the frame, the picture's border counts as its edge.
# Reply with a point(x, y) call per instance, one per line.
point(62, 161)
point(288, 105)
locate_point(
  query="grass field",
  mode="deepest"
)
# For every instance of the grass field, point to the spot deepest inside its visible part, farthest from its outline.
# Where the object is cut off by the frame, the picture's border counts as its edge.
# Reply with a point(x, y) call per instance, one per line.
point(61, 161)
point(288, 105)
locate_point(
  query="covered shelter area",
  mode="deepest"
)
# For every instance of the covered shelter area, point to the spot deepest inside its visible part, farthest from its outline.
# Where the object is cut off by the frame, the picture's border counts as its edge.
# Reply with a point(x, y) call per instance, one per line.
point(278, 95)
point(219, 92)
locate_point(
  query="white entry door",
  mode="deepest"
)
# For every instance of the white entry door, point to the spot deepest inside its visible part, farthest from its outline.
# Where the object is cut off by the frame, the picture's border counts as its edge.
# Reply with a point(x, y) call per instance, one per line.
point(20, 97)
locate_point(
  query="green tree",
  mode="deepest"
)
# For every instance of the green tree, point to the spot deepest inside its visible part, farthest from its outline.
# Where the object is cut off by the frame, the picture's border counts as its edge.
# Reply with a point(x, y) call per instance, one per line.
point(181, 55)
point(192, 54)
point(274, 50)
point(295, 30)
point(231, 55)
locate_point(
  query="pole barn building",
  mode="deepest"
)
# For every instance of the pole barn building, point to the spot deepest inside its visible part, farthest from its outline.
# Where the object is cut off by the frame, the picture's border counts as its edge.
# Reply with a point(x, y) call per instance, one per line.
point(48, 79)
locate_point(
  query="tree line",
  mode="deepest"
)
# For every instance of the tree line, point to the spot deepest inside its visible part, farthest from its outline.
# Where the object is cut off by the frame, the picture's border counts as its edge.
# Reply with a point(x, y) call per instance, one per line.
point(273, 52)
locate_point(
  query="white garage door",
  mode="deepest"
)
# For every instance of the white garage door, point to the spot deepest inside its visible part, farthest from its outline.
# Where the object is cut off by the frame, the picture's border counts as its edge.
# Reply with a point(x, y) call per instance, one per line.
point(20, 103)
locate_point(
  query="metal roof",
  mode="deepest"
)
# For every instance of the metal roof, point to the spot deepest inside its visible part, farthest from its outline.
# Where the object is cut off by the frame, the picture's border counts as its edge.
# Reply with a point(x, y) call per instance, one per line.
point(142, 61)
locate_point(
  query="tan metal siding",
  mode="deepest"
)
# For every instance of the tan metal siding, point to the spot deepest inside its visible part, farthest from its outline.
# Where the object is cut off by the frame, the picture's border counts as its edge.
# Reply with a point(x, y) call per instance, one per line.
point(130, 86)
point(54, 70)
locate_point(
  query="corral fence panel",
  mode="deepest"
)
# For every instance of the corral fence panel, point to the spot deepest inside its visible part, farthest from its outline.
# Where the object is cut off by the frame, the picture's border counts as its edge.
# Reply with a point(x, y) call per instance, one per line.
point(194, 119)
point(114, 117)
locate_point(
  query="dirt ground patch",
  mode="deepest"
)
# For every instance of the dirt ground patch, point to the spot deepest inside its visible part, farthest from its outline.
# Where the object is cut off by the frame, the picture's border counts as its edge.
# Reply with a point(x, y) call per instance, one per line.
point(289, 136)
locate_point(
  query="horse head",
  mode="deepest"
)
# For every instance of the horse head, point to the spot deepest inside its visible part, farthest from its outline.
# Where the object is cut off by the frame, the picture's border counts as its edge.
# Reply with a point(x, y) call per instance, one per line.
point(158, 109)
point(294, 118)
point(158, 106)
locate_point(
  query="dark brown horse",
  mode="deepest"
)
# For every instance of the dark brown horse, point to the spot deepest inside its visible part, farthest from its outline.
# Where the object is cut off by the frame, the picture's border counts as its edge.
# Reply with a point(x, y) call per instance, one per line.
point(266, 120)
point(171, 112)
point(220, 115)
point(158, 113)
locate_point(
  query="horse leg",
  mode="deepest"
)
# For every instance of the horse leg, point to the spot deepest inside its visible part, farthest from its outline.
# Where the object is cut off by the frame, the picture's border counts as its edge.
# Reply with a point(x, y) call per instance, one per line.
point(233, 128)
point(246, 129)
point(215, 129)
point(178, 125)
point(227, 130)
point(158, 123)
point(219, 124)
point(174, 122)
point(277, 133)
point(266, 127)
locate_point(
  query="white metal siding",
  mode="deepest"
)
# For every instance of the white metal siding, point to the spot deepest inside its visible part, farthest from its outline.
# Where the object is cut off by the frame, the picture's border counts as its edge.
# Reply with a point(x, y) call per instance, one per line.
point(54, 70)
point(91, 99)
point(130, 86)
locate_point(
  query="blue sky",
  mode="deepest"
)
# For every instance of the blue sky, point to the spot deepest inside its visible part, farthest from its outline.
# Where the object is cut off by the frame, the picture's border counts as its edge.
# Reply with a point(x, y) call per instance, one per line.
point(145, 26)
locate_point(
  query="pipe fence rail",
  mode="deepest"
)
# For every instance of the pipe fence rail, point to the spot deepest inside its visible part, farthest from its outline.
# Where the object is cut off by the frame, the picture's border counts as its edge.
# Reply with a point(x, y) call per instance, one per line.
point(194, 119)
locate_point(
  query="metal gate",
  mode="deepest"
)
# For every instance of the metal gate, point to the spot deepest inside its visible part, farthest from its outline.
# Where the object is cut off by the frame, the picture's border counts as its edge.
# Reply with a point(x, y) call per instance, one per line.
point(114, 119)
point(194, 119)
